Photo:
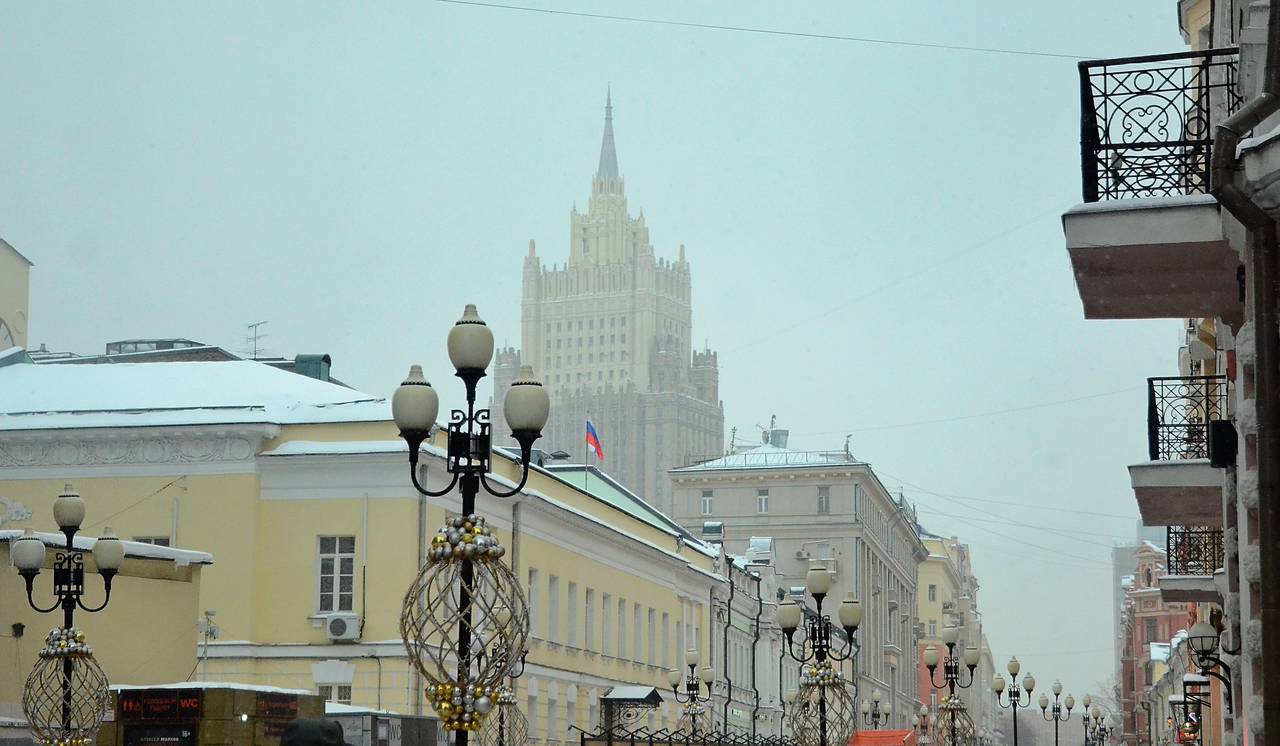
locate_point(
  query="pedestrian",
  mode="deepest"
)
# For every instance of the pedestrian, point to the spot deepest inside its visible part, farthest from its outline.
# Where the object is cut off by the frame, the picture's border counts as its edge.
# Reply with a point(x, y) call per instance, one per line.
point(309, 732)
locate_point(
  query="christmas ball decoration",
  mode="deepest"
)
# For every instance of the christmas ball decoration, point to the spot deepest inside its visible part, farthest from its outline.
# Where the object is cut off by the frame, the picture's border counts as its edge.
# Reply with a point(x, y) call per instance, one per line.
point(66, 663)
point(464, 574)
point(822, 683)
point(954, 726)
point(695, 717)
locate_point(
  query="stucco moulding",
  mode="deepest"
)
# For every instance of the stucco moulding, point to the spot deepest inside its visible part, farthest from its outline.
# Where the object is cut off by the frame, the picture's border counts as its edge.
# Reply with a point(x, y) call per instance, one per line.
point(167, 448)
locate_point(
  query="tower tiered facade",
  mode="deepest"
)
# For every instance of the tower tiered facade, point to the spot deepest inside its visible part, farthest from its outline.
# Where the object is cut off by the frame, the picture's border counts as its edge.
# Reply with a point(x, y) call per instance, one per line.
point(610, 334)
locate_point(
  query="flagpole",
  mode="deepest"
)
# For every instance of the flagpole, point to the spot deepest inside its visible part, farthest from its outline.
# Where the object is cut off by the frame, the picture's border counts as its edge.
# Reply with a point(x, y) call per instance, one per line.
point(586, 448)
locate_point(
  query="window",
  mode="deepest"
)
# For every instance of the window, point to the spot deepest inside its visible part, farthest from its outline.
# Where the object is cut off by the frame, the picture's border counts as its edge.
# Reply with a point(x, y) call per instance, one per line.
point(533, 707)
point(1152, 629)
point(159, 541)
point(762, 501)
point(337, 574)
point(653, 634)
point(706, 502)
point(533, 601)
point(606, 629)
point(553, 608)
point(666, 640)
point(933, 627)
point(824, 499)
point(591, 619)
point(572, 612)
point(636, 650)
point(933, 592)
point(622, 628)
point(340, 693)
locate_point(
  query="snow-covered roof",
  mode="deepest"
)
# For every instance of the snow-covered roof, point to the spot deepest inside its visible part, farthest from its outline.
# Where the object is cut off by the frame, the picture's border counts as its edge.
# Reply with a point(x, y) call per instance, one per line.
point(213, 685)
point(341, 447)
point(134, 549)
point(337, 708)
point(772, 457)
point(41, 397)
point(1194, 678)
point(1158, 651)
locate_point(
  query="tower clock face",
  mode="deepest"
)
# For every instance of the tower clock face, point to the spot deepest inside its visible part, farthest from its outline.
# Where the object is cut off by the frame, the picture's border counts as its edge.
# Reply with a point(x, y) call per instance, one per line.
point(6, 336)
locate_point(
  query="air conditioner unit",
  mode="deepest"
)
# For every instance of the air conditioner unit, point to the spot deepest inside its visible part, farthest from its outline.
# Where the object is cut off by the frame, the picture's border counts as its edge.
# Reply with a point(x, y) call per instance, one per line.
point(342, 627)
point(802, 554)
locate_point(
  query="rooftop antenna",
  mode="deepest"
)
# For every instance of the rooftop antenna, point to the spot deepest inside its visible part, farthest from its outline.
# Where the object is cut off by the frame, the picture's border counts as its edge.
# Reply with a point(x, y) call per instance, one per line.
point(733, 440)
point(254, 337)
point(847, 438)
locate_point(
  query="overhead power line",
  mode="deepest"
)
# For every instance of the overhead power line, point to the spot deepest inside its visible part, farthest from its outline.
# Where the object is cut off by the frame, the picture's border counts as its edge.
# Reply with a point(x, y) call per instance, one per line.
point(964, 498)
point(767, 31)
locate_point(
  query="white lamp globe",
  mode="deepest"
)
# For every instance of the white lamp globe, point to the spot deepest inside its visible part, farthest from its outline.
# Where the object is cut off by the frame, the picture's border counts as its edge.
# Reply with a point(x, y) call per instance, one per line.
point(1044, 701)
point(708, 674)
point(674, 677)
point(1029, 683)
point(1086, 700)
point(28, 552)
point(931, 656)
point(915, 721)
point(691, 657)
point(788, 616)
point(884, 708)
point(108, 551)
point(414, 405)
point(1014, 666)
point(68, 509)
point(850, 612)
point(875, 694)
point(527, 405)
point(997, 684)
point(924, 710)
point(1057, 688)
point(1070, 701)
point(1096, 713)
point(865, 707)
point(1203, 639)
point(950, 635)
point(470, 342)
point(818, 580)
point(972, 655)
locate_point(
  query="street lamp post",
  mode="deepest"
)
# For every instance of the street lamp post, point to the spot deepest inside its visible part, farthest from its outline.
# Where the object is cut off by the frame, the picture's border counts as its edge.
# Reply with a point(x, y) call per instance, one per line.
point(1203, 639)
point(464, 574)
point(1014, 698)
point(690, 697)
point(920, 723)
point(873, 713)
point(1057, 715)
point(1099, 731)
point(816, 647)
point(951, 669)
point(1087, 702)
point(55, 712)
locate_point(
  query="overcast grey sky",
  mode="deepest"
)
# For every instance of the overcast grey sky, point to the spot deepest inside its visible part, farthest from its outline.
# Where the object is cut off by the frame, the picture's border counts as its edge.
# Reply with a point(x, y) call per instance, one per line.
point(873, 229)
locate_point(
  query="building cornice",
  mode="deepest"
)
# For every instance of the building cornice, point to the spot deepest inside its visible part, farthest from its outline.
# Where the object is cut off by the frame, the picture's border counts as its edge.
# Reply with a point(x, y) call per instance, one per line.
point(131, 451)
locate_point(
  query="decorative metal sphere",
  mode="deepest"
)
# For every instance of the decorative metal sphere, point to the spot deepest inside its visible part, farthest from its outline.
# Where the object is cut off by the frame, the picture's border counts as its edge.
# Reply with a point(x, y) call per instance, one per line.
point(434, 613)
point(42, 697)
point(951, 711)
point(695, 717)
point(506, 725)
point(819, 683)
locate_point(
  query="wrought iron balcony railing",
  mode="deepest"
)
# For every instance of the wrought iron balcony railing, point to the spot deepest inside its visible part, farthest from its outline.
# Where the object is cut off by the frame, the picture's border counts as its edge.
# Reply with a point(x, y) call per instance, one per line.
point(1146, 123)
point(1178, 414)
point(1194, 550)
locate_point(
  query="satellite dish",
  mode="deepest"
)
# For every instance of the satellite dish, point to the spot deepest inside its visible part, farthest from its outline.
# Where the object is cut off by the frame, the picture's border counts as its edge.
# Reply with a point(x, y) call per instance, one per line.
point(1200, 351)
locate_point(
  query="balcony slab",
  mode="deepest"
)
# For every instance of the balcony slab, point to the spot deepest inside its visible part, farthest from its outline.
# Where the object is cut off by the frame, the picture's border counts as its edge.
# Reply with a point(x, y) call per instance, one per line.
point(1165, 257)
point(1180, 589)
point(1181, 493)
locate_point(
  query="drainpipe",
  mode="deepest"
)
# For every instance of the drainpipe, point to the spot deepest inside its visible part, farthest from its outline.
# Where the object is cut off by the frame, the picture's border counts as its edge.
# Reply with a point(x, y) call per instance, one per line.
point(728, 622)
point(755, 711)
point(1264, 268)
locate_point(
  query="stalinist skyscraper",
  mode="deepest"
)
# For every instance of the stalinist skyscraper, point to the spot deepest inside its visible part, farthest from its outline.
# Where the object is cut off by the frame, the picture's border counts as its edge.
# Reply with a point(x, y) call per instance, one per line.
point(610, 334)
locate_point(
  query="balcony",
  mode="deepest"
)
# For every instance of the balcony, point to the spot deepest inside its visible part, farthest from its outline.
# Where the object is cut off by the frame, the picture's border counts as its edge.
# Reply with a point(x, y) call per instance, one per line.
point(1178, 486)
point(1194, 556)
point(1148, 242)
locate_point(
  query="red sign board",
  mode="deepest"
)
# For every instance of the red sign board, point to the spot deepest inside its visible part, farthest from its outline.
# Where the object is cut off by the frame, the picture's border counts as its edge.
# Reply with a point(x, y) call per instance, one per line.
point(163, 705)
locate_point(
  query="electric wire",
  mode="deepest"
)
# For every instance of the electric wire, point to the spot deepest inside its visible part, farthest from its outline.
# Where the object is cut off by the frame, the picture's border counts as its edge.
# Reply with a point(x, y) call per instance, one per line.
point(964, 498)
point(137, 502)
point(767, 31)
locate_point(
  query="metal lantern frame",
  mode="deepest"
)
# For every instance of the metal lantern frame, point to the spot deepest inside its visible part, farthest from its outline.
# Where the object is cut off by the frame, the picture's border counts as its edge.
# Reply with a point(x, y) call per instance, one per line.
point(825, 709)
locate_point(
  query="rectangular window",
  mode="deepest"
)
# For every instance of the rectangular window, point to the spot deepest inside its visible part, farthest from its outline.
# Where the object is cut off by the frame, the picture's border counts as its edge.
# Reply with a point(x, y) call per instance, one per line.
point(534, 627)
point(653, 635)
point(606, 629)
point(337, 575)
point(571, 610)
point(824, 499)
point(159, 541)
point(551, 714)
point(636, 631)
point(933, 593)
point(933, 627)
point(590, 629)
point(762, 501)
point(340, 693)
point(681, 644)
point(533, 709)
point(622, 628)
point(666, 640)
point(553, 608)
point(1152, 629)
point(706, 502)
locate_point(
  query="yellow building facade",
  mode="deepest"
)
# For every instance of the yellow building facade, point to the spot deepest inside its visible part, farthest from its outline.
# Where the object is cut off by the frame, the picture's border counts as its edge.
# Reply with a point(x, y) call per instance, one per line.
point(15, 293)
point(301, 490)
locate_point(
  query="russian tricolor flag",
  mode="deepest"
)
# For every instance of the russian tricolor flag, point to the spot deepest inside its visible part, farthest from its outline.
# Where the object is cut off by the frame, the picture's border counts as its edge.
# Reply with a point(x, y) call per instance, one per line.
point(593, 440)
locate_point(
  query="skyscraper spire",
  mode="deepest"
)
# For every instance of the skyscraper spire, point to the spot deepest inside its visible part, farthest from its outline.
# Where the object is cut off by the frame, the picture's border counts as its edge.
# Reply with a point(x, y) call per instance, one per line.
point(608, 169)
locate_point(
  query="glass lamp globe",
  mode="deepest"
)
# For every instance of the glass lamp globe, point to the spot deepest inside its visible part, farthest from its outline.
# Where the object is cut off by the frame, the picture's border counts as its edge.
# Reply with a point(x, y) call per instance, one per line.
point(950, 635)
point(1044, 701)
point(865, 707)
point(924, 710)
point(931, 656)
point(68, 508)
point(788, 616)
point(1070, 702)
point(527, 405)
point(915, 721)
point(997, 684)
point(691, 657)
point(1029, 683)
point(708, 674)
point(1086, 700)
point(414, 405)
point(1203, 639)
point(818, 580)
point(1057, 688)
point(850, 612)
point(28, 552)
point(674, 678)
point(1014, 666)
point(884, 708)
point(972, 655)
point(108, 551)
point(1096, 713)
point(470, 343)
point(875, 694)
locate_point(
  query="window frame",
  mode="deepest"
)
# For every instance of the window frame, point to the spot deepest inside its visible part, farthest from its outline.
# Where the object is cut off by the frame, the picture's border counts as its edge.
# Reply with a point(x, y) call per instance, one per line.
point(337, 556)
